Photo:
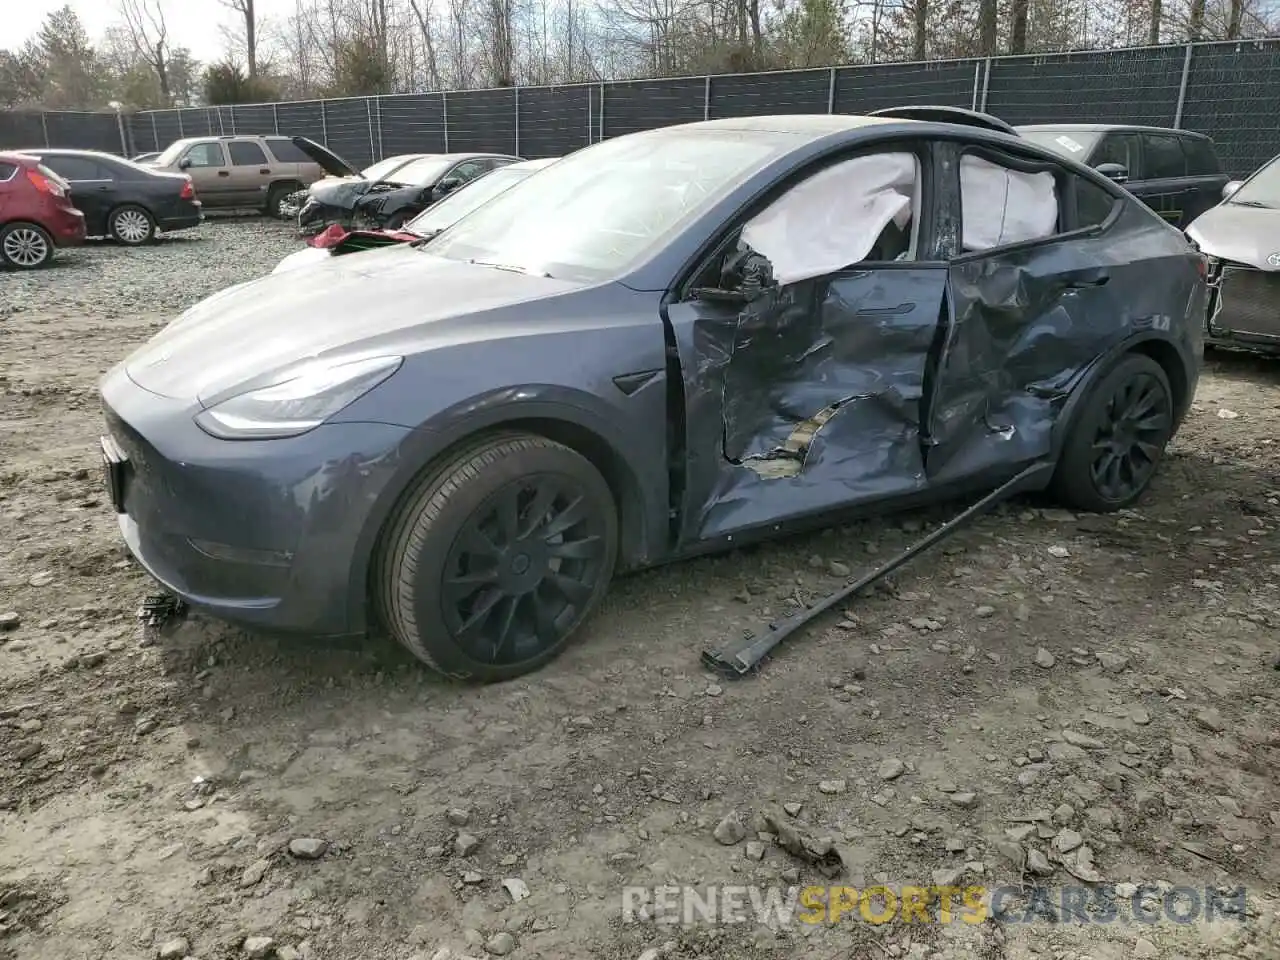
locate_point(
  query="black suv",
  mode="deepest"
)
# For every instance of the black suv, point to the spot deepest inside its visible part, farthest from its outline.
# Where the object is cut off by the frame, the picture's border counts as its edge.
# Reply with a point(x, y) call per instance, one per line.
point(1174, 172)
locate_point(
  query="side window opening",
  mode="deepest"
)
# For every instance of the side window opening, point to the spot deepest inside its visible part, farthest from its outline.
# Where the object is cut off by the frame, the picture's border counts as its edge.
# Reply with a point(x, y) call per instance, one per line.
point(1202, 160)
point(246, 153)
point(1000, 205)
point(205, 155)
point(1164, 157)
point(861, 210)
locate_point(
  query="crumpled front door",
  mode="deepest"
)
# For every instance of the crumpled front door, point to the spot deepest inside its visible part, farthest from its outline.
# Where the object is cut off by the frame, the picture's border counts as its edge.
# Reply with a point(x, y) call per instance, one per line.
point(811, 395)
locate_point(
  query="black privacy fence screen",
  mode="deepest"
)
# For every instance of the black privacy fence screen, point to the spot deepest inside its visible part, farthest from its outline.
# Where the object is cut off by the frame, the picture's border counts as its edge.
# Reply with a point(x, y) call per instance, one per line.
point(1228, 90)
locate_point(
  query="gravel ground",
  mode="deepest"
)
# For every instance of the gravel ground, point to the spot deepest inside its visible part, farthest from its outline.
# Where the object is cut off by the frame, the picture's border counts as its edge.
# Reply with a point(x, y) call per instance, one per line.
point(1046, 685)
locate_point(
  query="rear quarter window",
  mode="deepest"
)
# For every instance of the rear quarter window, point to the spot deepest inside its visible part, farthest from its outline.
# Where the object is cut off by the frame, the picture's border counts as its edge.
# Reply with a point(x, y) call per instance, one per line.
point(1202, 159)
point(8, 170)
point(1163, 157)
point(286, 151)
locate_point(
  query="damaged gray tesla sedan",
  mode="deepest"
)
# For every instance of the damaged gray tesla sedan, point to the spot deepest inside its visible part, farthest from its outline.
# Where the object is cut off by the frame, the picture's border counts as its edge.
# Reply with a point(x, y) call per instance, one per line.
point(1241, 237)
point(666, 343)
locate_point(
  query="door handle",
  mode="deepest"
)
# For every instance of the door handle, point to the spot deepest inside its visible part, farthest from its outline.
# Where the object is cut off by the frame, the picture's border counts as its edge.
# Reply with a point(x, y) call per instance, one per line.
point(1087, 278)
point(224, 173)
point(264, 170)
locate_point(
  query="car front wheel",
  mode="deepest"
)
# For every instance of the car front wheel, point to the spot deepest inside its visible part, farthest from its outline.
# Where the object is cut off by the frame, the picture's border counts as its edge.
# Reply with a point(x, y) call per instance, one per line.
point(1118, 438)
point(25, 246)
point(497, 557)
point(132, 225)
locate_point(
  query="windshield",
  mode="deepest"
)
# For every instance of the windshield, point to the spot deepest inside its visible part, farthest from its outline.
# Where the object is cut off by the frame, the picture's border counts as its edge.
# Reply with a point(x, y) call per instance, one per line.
point(170, 154)
point(383, 167)
point(1262, 189)
point(595, 213)
point(421, 173)
point(1075, 144)
point(457, 205)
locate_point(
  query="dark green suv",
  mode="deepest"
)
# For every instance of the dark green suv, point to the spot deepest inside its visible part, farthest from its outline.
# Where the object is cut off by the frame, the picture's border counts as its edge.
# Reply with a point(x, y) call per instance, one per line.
point(1174, 172)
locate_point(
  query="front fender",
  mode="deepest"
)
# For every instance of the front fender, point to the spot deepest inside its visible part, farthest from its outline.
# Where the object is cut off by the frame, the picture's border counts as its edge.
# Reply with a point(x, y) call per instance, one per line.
point(635, 463)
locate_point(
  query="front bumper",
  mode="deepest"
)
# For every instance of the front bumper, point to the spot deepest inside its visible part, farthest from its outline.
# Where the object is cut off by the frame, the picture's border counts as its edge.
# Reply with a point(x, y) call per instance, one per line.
point(263, 533)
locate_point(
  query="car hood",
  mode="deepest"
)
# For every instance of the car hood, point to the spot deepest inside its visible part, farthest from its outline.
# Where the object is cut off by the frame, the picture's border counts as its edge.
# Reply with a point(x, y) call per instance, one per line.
point(328, 161)
point(396, 299)
point(1246, 235)
point(339, 192)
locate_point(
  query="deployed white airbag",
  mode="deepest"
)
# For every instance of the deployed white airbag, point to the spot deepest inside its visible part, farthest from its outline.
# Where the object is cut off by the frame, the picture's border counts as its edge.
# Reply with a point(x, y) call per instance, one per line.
point(834, 218)
point(1002, 206)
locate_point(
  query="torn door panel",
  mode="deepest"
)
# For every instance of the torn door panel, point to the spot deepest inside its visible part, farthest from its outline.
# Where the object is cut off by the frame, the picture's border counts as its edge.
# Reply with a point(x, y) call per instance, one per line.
point(819, 396)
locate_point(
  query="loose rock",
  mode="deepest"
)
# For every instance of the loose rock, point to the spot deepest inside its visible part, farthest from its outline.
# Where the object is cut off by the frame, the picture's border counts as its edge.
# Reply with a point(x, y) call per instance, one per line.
point(308, 848)
point(9, 621)
point(516, 888)
point(500, 944)
point(174, 949)
point(755, 850)
point(831, 787)
point(258, 946)
point(458, 816)
point(254, 873)
point(730, 830)
point(1045, 659)
point(466, 844)
point(891, 768)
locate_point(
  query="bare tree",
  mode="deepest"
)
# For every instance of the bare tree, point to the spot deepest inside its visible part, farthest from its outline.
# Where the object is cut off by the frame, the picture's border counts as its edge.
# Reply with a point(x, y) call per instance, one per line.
point(422, 13)
point(246, 12)
point(144, 20)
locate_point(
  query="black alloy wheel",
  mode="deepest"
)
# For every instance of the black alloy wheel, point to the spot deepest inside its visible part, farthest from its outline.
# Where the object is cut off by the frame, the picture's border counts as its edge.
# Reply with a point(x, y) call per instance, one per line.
point(1118, 437)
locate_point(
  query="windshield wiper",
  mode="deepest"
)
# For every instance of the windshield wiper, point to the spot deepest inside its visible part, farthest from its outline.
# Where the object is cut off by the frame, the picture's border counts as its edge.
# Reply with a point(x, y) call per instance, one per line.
point(1252, 203)
point(510, 268)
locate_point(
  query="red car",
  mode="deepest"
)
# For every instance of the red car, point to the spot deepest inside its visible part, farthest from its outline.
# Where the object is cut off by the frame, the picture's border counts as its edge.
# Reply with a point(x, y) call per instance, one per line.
point(36, 214)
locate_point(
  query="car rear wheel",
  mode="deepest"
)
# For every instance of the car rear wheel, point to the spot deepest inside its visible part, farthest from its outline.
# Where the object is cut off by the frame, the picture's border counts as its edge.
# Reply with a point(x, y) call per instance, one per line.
point(497, 557)
point(1118, 438)
point(132, 225)
point(25, 246)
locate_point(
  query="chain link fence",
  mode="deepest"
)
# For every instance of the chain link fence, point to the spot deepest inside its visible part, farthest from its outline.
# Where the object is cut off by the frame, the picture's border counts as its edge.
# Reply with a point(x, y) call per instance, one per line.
point(1228, 90)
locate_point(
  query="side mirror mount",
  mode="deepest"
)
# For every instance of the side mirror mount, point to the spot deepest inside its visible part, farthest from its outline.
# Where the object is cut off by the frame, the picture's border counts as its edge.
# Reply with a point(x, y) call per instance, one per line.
point(1116, 172)
point(184, 163)
point(1230, 189)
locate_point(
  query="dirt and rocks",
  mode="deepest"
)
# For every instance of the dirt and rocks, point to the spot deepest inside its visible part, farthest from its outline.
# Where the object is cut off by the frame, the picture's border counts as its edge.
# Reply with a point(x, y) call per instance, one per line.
point(1050, 700)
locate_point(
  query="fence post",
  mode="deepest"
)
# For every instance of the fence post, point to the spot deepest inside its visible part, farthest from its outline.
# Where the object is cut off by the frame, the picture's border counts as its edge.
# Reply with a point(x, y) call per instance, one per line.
point(986, 85)
point(232, 110)
point(977, 83)
point(1182, 88)
point(324, 125)
point(155, 132)
point(517, 93)
point(444, 107)
point(591, 112)
point(368, 112)
point(831, 91)
point(44, 128)
point(181, 132)
point(706, 98)
point(602, 110)
point(275, 117)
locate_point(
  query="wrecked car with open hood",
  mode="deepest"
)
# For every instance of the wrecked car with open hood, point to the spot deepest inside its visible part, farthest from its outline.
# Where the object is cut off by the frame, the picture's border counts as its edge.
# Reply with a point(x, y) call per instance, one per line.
point(666, 343)
point(1241, 237)
point(335, 240)
point(392, 191)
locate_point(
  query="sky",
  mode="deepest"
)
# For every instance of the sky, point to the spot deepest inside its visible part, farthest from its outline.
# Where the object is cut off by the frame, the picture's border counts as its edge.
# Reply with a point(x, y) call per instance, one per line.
point(194, 24)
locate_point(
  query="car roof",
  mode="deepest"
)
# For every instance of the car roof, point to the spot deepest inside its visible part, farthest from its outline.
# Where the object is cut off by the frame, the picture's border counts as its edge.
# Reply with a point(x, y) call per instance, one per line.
point(537, 164)
point(811, 125)
point(65, 152)
point(19, 157)
point(1107, 128)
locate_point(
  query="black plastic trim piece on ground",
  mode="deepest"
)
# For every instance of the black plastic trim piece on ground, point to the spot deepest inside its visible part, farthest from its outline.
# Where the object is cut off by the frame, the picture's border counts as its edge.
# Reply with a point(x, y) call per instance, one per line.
point(740, 657)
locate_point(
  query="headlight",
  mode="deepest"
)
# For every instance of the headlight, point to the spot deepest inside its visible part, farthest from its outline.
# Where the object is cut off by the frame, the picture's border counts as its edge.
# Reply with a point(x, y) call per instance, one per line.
point(311, 393)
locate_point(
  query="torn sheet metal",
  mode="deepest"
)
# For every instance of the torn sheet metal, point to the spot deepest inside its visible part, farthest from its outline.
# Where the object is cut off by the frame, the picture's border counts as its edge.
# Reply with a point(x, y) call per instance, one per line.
point(834, 218)
point(1024, 327)
point(816, 389)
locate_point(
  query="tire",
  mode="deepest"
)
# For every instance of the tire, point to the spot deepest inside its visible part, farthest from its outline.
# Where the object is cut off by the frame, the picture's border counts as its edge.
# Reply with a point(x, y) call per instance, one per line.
point(276, 196)
point(1129, 412)
point(448, 579)
point(26, 246)
point(131, 225)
